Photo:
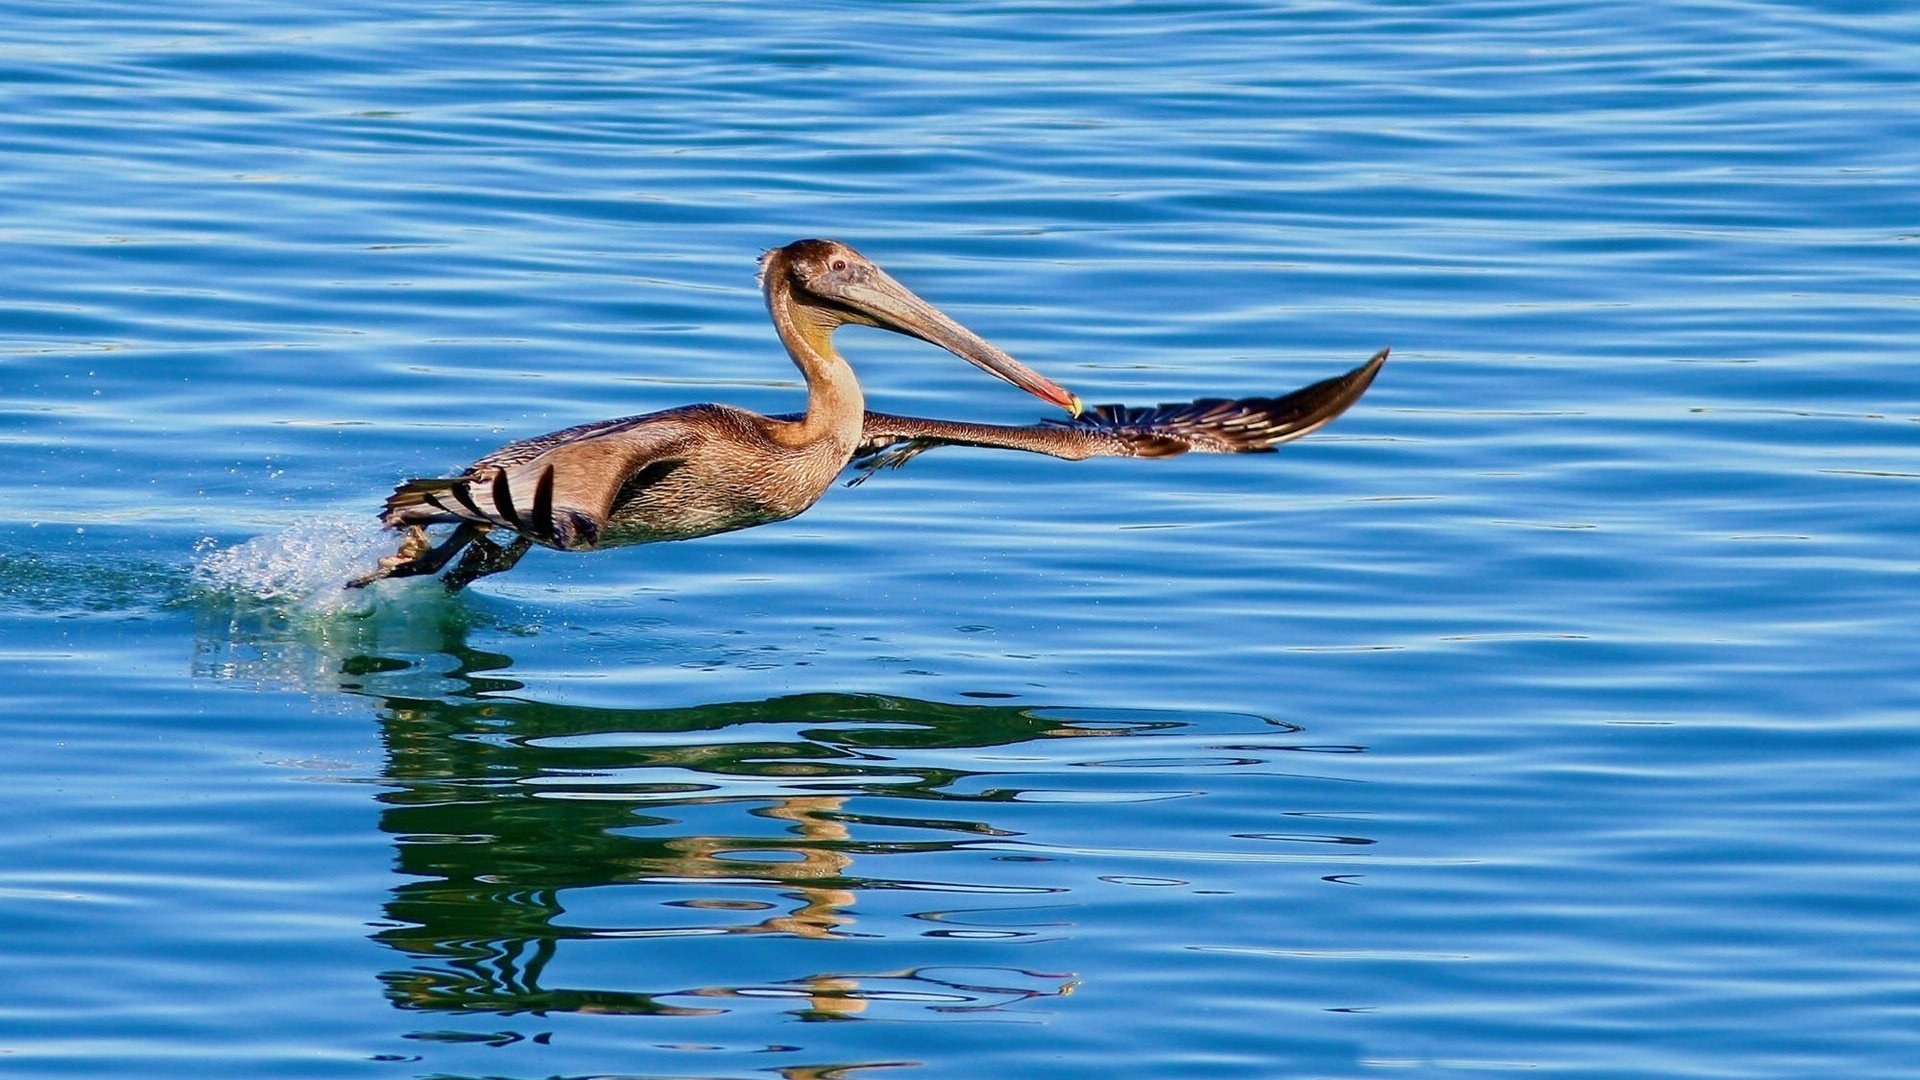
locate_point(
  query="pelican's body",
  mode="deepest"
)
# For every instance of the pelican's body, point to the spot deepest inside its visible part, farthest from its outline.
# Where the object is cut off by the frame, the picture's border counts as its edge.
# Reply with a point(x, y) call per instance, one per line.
point(676, 474)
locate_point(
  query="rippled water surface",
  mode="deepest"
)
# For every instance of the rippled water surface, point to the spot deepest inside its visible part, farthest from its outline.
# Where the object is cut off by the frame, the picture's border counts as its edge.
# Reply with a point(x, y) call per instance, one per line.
point(1555, 709)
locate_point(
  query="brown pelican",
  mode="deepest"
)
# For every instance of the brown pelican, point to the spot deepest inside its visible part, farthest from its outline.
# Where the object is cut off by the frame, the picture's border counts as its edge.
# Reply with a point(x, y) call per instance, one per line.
point(704, 469)
point(698, 469)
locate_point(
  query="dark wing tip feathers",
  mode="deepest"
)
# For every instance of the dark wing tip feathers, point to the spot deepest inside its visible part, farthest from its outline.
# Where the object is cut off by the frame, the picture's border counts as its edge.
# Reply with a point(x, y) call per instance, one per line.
point(542, 518)
point(460, 489)
point(1238, 425)
point(503, 500)
point(539, 522)
point(563, 528)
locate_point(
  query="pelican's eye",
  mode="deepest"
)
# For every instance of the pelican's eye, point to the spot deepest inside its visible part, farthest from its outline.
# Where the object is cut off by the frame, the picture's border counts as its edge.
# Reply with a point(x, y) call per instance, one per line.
point(838, 265)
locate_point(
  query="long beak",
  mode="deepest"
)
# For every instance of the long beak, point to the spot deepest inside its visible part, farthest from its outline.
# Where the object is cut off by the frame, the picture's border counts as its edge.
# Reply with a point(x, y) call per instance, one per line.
point(893, 306)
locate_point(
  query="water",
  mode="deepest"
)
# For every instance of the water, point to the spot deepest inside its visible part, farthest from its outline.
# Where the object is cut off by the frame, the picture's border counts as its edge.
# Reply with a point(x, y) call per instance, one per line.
point(1553, 710)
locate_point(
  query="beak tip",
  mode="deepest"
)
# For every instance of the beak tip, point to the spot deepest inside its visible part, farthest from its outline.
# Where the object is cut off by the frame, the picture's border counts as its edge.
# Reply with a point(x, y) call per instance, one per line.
point(1075, 406)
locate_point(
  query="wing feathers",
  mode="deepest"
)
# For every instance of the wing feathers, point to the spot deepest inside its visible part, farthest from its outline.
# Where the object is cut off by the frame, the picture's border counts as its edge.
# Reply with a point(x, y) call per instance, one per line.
point(503, 510)
point(1236, 426)
point(559, 495)
point(1208, 425)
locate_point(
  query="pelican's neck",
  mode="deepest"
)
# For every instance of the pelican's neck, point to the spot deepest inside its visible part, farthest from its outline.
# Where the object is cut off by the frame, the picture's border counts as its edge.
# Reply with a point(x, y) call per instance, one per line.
point(834, 401)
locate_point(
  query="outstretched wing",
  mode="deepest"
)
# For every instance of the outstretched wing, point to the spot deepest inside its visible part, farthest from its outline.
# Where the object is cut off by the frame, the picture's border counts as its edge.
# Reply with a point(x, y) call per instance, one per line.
point(1209, 425)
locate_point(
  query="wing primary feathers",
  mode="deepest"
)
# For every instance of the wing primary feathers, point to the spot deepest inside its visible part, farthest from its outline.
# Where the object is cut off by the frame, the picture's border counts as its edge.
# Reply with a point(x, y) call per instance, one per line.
point(503, 500)
point(1231, 426)
point(543, 506)
point(1254, 425)
point(465, 496)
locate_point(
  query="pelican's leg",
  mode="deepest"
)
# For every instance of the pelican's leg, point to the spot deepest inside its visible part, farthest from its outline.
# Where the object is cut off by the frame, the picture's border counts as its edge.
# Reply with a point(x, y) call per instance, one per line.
point(417, 555)
point(483, 558)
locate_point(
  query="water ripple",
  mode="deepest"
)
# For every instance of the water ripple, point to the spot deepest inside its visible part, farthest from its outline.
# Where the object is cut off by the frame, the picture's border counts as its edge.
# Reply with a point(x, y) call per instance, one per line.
point(1559, 690)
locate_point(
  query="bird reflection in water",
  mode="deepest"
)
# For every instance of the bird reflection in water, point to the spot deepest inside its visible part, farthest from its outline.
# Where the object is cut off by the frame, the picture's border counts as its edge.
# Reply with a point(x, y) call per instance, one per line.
point(822, 856)
point(522, 829)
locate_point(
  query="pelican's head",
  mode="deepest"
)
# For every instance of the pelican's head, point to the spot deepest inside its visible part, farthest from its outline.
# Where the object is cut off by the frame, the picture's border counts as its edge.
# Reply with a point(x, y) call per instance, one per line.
point(838, 285)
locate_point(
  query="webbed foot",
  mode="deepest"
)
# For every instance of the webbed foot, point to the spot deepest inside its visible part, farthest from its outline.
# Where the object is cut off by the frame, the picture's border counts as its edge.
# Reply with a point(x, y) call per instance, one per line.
point(418, 555)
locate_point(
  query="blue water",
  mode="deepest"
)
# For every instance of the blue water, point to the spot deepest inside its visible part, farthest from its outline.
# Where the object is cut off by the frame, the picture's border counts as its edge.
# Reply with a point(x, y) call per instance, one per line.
point(1553, 710)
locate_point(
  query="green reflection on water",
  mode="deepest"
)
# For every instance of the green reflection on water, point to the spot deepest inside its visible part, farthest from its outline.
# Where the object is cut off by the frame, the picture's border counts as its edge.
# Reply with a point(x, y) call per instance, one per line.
point(522, 826)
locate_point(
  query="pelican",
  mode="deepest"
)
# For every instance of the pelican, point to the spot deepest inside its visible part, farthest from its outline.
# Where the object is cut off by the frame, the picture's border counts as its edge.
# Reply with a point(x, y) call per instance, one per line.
point(704, 469)
point(698, 469)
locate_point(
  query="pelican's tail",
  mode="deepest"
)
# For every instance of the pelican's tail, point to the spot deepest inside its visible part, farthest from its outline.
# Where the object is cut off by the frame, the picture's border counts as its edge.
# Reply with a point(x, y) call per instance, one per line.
point(427, 502)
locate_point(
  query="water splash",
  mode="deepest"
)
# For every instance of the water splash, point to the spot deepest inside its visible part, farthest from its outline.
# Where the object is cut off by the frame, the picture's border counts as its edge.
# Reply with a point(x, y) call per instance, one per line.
point(306, 565)
point(274, 612)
